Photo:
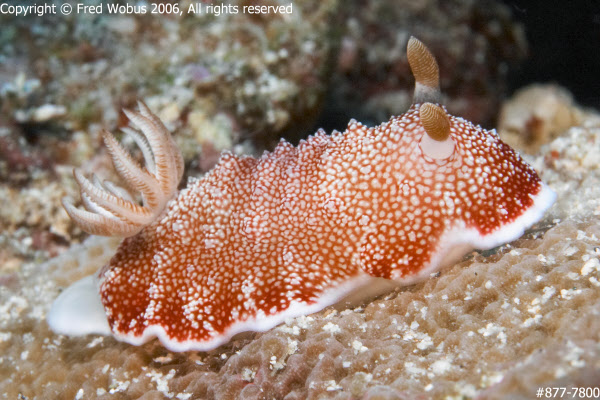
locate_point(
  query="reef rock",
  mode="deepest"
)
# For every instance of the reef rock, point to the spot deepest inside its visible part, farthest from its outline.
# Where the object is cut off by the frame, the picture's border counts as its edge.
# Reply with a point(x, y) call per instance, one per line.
point(480, 329)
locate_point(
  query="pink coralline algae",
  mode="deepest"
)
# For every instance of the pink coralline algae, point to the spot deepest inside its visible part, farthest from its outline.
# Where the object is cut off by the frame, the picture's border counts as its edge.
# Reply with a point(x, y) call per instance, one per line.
point(256, 241)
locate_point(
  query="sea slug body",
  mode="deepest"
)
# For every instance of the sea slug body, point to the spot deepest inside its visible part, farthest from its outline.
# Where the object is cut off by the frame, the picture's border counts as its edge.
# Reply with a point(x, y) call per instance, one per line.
point(256, 241)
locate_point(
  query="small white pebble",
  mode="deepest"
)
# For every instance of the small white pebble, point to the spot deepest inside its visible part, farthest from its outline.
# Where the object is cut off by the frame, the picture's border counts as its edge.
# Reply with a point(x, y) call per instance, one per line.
point(441, 367)
point(531, 321)
point(573, 276)
point(164, 359)
point(47, 112)
point(534, 310)
point(425, 343)
point(549, 291)
point(331, 328)
point(332, 386)
point(96, 341)
point(589, 266)
point(502, 337)
point(569, 251)
point(568, 294)
point(358, 347)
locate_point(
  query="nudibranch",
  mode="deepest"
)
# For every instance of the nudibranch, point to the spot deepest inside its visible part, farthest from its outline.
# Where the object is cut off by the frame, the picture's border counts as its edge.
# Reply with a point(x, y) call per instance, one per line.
point(256, 241)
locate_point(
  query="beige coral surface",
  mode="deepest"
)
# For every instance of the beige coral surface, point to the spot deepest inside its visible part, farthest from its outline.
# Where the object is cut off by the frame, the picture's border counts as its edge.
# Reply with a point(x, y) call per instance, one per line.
point(499, 324)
